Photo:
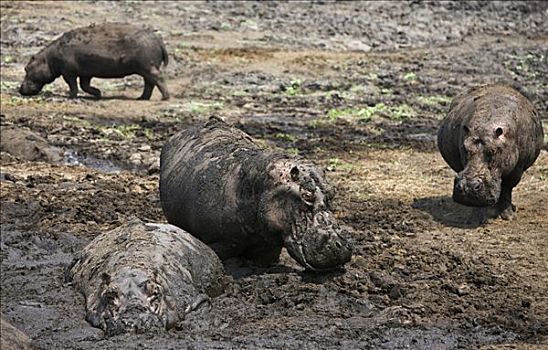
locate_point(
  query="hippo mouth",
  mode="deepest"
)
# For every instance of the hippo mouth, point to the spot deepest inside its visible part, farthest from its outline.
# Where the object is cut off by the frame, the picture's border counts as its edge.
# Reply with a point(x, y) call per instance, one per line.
point(320, 245)
point(130, 306)
point(29, 88)
point(475, 192)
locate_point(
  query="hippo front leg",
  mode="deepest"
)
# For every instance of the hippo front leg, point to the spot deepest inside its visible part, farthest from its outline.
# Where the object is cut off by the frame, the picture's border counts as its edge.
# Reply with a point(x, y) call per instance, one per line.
point(73, 85)
point(85, 85)
point(504, 207)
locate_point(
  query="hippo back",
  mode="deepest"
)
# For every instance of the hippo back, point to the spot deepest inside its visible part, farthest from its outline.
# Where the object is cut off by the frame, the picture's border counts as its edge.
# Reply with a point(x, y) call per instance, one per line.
point(207, 182)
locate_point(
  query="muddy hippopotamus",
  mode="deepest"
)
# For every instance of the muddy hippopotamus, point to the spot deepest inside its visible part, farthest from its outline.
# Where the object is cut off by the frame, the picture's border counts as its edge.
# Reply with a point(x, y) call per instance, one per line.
point(144, 276)
point(110, 50)
point(12, 338)
point(27, 145)
point(244, 200)
point(490, 136)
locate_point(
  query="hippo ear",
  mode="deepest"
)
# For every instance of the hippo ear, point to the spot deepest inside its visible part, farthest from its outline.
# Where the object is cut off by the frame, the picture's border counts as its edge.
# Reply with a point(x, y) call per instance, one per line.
point(498, 132)
point(294, 172)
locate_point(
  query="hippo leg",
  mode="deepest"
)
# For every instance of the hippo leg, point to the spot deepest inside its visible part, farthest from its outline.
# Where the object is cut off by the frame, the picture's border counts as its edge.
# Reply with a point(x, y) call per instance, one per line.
point(504, 207)
point(147, 92)
point(73, 85)
point(85, 85)
point(157, 79)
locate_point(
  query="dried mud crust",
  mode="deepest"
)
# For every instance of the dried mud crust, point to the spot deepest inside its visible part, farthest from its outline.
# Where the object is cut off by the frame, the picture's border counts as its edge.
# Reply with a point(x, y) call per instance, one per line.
point(359, 88)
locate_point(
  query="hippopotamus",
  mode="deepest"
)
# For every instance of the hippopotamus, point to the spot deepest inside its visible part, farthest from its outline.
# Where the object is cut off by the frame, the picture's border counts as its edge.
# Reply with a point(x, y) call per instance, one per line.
point(490, 136)
point(248, 201)
point(27, 145)
point(12, 338)
point(145, 276)
point(110, 50)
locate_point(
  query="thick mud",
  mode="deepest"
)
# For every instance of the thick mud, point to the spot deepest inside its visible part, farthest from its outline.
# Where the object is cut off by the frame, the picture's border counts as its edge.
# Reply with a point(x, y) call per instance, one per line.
point(357, 87)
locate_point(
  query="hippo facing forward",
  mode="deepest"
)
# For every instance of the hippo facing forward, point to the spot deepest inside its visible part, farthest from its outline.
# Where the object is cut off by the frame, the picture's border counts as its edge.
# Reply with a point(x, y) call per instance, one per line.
point(109, 50)
point(140, 277)
point(242, 200)
point(490, 136)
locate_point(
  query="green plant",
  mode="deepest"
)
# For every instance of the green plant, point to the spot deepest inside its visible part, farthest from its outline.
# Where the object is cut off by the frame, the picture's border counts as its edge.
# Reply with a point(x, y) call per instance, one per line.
point(293, 151)
point(335, 163)
point(294, 88)
point(365, 113)
point(401, 112)
point(286, 137)
point(410, 76)
point(202, 107)
point(434, 100)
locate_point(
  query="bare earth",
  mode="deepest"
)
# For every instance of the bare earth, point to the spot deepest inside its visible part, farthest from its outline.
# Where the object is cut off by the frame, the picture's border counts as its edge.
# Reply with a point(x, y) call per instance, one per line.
point(358, 87)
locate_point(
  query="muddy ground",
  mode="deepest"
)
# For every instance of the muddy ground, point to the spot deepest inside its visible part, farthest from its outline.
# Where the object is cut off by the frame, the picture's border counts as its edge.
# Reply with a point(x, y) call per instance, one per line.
point(357, 87)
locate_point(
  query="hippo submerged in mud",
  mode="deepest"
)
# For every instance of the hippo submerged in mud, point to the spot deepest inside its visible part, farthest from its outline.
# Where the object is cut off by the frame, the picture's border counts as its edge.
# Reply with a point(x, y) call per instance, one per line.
point(490, 136)
point(242, 200)
point(109, 50)
point(141, 277)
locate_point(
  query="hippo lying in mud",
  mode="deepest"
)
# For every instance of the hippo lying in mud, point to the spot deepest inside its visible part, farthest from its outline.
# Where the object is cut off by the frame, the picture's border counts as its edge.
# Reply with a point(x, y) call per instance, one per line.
point(490, 136)
point(141, 277)
point(242, 200)
point(26, 145)
point(12, 338)
point(104, 51)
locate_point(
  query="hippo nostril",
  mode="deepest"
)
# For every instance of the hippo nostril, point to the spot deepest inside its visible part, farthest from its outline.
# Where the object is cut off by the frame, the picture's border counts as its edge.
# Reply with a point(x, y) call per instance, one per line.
point(477, 186)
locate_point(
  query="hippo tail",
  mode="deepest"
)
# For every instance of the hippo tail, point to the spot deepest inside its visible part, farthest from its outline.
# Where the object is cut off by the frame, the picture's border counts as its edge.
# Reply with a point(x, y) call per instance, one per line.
point(165, 58)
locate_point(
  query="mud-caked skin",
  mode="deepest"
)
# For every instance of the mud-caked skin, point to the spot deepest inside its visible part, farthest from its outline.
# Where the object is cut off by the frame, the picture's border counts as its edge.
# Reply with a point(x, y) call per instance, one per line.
point(490, 136)
point(110, 50)
point(141, 277)
point(27, 145)
point(243, 200)
point(12, 338)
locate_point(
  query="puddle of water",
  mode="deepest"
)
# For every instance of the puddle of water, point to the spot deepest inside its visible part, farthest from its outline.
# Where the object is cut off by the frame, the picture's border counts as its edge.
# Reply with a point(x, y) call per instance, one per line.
point(73, 158)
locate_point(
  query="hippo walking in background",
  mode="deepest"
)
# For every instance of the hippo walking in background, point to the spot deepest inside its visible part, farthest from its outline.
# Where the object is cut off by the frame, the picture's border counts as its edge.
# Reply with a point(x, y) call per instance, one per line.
point(109, 50)
point(490, 136)
point(242, 200)
point(140, 277)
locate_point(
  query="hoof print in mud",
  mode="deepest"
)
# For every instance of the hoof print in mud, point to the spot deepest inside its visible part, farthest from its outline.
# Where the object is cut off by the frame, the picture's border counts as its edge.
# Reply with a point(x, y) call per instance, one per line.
point(110, 50)
point(243, 200)
point(144, 276)
point(490, 136)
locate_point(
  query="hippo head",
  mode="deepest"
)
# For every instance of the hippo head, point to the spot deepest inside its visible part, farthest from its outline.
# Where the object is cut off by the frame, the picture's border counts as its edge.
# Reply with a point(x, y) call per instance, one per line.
point(489, 152)
point(297, 205)
point(129, 301)
point(38, 74)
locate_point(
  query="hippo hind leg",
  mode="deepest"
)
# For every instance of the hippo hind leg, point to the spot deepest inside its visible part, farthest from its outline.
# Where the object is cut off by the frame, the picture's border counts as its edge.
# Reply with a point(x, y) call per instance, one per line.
point(147, 92)
point(85, 85)
point(154, 77)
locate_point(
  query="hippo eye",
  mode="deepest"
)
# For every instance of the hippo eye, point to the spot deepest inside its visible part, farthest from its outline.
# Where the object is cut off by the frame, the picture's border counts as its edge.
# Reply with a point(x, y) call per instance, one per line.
point(499, 132)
